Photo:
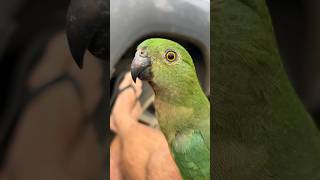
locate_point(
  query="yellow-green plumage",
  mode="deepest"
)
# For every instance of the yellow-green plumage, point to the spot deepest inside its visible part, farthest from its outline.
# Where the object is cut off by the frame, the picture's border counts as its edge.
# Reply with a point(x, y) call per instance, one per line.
point(182, 108)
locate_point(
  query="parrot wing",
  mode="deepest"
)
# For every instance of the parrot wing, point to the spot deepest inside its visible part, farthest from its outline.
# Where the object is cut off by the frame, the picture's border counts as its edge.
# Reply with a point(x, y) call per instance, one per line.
point(192, 155)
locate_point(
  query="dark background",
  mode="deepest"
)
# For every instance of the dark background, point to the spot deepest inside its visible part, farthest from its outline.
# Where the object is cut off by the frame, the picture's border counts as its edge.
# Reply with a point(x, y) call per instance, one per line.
point(297, 28)
point(26, 28)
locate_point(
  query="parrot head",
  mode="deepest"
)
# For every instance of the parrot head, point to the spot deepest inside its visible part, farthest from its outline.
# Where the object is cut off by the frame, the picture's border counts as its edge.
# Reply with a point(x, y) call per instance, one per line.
point(165, 64)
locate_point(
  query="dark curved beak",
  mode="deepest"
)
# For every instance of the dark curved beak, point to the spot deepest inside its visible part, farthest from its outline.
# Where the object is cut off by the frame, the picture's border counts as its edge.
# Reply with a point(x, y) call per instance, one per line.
point(86, 28)
point(141, 68)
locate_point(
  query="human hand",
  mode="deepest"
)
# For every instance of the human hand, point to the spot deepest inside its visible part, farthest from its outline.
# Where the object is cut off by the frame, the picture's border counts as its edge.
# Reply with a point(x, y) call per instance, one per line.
point(138, 152)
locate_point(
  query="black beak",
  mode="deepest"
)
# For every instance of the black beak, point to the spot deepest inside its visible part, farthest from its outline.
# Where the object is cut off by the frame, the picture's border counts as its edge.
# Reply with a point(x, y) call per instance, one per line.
point(86, 28)
point(141, 68)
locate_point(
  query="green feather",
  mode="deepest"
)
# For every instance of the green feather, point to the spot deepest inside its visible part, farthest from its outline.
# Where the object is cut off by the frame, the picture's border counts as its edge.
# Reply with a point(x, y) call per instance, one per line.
point(182, 109)
point(261, 130)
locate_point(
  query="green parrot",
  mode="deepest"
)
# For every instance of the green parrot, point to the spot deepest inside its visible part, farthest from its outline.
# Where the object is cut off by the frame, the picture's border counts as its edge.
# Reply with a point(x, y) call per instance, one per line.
point(182, 108)
point(261, 130)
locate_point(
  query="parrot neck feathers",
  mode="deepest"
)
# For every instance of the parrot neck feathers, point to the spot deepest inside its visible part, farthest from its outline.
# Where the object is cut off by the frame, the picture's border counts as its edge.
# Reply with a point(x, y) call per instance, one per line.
point(182, 112)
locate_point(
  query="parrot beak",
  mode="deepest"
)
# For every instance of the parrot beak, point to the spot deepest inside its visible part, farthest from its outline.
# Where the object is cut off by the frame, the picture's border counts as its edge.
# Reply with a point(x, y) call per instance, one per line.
point(86, 28)
point(141, 68)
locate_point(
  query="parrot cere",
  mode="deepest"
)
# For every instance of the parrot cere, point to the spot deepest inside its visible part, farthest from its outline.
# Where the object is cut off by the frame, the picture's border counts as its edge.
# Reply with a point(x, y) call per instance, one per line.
point(182, 108)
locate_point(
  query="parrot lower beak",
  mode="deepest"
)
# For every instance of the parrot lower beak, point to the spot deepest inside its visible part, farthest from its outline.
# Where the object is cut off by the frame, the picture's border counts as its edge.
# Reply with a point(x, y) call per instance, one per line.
point(86, 28)
point(141, 68)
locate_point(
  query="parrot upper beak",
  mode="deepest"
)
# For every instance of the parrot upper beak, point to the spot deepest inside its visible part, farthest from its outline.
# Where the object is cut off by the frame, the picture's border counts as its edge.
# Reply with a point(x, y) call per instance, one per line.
point(86, 28)
point(141, 68)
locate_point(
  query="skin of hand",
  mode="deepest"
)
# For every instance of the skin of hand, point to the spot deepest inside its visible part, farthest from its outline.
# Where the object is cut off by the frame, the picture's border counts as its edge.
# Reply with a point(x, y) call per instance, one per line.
point(138, 152)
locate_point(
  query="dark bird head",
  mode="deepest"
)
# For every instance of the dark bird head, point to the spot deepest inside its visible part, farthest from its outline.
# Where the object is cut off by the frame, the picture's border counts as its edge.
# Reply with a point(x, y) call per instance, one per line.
point(87, 25)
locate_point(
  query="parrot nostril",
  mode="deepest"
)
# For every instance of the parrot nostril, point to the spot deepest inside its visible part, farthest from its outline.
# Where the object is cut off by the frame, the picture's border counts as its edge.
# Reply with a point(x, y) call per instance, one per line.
point(142, 53)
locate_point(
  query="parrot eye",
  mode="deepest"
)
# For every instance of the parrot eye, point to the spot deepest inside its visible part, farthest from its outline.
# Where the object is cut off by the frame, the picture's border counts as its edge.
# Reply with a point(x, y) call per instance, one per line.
point(171, 56)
